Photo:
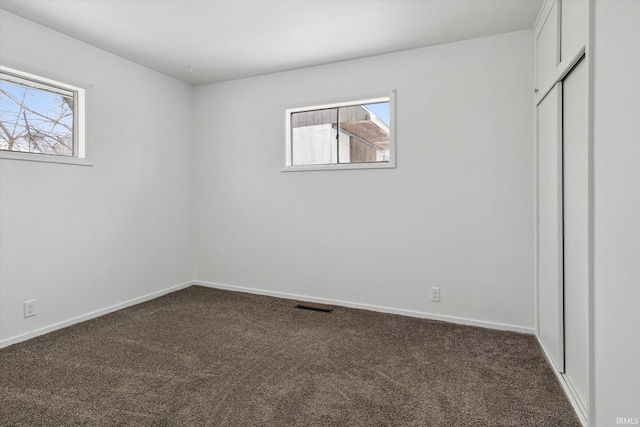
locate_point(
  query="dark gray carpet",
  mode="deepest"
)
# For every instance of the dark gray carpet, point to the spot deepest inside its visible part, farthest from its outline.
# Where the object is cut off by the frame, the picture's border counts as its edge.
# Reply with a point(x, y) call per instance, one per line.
point(208, 357)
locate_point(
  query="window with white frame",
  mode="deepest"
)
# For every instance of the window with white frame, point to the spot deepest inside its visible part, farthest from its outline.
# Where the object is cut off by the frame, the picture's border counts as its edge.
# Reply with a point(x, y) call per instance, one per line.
point(40, 119)
point(347, 135)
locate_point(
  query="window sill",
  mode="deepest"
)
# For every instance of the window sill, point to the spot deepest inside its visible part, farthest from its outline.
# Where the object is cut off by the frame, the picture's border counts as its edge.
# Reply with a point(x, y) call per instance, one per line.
point(32, 157)
point(345, 166)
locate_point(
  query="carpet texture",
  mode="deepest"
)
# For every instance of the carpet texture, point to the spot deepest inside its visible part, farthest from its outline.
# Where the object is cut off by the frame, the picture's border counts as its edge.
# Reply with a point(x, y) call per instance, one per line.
point(201, 357)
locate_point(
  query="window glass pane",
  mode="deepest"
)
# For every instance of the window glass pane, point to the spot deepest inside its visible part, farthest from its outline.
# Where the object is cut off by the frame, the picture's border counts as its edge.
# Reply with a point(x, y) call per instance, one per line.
point(35, 120)
point(313, 137)
point(344, 135)
point(364, 133)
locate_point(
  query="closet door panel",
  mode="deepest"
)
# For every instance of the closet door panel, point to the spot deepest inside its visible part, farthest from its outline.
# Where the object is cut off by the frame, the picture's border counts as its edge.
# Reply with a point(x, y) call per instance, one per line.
point(550, 293)
point(574, 27)
point(576, 228)
point(547, 55)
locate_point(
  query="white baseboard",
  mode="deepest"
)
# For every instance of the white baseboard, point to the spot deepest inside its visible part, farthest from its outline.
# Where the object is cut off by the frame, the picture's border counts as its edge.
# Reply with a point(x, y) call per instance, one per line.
point(423, 315)
point(567, 387)
point(410, 313)
point(41, 331)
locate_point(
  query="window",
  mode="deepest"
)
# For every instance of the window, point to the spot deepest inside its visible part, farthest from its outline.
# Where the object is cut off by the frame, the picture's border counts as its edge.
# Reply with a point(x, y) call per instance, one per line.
point(40, 119)
point(348, 135)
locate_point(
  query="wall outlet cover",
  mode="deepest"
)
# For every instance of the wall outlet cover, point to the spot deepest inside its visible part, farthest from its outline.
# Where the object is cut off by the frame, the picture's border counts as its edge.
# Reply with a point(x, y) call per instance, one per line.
point(435, 294)
point(30, 308)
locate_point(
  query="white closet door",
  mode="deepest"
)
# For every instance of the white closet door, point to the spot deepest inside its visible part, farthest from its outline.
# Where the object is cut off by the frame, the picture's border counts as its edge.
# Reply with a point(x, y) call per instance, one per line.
point(576, 228)
point(550, 294)
point(574, 27)
point(547, 55)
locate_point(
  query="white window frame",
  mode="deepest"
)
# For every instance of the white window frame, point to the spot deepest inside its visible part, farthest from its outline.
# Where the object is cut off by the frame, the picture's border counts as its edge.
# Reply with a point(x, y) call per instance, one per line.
point(389, 97)
point(79, 118)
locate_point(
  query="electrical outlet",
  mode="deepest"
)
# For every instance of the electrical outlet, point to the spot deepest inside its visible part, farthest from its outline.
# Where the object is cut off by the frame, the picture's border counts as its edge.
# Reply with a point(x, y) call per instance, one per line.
point(30, 308)
point(435, 294)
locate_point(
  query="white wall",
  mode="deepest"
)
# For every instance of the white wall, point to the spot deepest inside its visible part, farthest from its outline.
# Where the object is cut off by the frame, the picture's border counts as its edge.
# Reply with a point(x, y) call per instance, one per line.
point(78, 238)
point(617, 211)
point(456, 213)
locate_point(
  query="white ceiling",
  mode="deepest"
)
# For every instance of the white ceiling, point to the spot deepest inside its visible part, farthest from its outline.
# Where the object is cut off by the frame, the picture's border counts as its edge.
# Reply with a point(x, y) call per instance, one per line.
point(225, 40)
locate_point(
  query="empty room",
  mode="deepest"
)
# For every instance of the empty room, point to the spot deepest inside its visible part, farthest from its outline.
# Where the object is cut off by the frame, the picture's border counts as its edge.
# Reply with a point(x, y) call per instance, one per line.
point(320, 213)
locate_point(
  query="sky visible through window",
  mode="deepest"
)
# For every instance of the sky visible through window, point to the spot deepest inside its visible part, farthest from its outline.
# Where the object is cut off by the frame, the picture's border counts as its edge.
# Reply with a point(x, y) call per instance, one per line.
point(381, 110)
point(35, 120)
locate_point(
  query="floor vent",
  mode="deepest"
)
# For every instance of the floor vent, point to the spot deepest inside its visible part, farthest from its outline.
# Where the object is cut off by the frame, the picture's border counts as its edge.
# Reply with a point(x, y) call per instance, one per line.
point(308, 307)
